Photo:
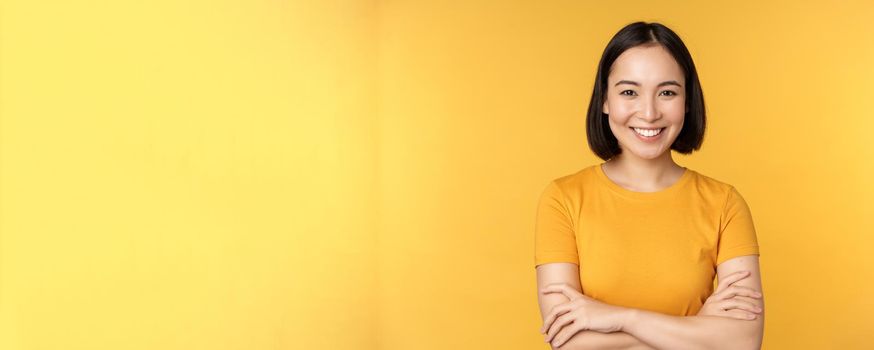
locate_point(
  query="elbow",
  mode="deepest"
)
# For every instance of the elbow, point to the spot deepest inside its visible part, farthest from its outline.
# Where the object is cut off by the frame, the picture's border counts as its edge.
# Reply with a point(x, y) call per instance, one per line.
point(750, 338)
point(580, 341)
point(574, 343)
point(756, 335)
point(755, 342)
point(568, 345)
point(744, 344)
point(751, 344)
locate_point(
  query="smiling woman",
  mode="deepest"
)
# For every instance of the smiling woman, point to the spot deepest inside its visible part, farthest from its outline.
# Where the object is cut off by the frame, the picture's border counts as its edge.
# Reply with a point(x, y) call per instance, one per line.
point(626, 251)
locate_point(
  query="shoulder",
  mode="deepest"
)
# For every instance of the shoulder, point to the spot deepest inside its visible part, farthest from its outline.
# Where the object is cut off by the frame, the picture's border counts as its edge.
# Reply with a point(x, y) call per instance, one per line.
point(575, 181)
point(729, 199)
point(717, 190)
point(711, 184)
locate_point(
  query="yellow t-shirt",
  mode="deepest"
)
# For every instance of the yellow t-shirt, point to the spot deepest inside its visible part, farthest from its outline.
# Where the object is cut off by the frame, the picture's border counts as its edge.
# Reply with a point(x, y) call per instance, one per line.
point(656, 251)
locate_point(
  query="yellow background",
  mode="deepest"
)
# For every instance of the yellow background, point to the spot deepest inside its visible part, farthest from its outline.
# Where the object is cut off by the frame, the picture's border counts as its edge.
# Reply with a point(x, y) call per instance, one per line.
point(363, 174)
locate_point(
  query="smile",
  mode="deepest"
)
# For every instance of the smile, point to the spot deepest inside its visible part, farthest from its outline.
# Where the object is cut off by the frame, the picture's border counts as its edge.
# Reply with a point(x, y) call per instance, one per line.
point(647, 135)
point(647, 132)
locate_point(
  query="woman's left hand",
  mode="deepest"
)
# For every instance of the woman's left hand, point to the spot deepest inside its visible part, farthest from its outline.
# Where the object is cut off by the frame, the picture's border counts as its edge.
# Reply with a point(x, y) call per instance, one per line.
point(580, 313)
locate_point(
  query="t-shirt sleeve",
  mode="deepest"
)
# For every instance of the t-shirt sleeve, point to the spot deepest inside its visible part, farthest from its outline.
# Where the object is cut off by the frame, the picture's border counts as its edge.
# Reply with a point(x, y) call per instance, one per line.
point(737, 234)
point(554, 237)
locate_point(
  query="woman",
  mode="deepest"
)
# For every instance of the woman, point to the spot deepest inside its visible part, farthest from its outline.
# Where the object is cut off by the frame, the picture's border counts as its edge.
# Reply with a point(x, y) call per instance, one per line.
point(626, 251)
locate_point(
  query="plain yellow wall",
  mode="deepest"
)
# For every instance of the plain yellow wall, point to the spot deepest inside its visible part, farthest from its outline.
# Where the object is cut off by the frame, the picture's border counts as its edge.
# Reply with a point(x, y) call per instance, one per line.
point(188, 175)
point(363, 174)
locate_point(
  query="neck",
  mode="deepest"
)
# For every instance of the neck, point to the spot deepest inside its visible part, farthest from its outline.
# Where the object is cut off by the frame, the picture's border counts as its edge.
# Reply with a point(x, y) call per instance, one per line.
point(644, 173)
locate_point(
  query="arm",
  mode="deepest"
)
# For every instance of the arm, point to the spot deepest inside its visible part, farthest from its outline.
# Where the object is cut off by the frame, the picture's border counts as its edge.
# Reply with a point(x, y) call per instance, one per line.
point(609, 341)
point(569, 273)
point(704, 332)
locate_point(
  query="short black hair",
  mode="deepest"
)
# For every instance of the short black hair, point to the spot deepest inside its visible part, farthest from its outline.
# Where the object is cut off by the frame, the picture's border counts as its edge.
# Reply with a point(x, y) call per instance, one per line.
point(600, 137)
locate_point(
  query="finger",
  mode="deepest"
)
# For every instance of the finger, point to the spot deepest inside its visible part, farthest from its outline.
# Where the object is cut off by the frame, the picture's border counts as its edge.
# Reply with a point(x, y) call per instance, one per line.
point(739, 305)
point(737, 276)
point(740, 315)
point(754, 301)
point(565, 334)
point(735, 303)
point(738, 290)
point(558, 325)
point(731, 279)
point(563, 288)
point(555, 312)
point(728, 280)
point(552, 287)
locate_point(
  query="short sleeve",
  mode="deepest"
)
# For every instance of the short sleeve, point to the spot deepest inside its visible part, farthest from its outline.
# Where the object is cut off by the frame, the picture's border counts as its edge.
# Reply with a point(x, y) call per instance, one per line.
point(554, 237)
point(737, 234)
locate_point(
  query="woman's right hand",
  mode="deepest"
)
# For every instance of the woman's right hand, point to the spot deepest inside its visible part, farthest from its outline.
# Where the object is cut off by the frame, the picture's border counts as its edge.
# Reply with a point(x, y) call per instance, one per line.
point(732, 301)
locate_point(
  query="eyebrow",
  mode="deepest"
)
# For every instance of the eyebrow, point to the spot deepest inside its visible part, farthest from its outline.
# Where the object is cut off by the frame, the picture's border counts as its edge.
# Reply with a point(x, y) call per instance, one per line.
point(669, 82)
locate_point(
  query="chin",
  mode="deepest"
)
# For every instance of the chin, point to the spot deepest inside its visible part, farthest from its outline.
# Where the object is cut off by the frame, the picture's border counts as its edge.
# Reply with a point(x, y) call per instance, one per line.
point(648, 157)
point(647, 154)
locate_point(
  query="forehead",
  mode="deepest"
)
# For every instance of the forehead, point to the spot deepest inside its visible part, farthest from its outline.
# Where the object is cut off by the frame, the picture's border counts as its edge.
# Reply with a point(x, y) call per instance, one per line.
point(646, 64)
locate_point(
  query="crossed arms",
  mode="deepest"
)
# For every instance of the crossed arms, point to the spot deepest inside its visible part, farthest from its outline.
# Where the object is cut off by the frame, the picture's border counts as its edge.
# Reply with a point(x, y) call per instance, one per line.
point(644, 329)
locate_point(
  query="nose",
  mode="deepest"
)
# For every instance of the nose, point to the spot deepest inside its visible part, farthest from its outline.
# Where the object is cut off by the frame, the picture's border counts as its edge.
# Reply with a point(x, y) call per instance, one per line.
point(649, 112)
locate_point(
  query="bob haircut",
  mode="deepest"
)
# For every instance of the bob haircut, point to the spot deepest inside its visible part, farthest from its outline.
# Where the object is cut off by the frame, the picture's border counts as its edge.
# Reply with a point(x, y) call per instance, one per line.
point(601, 138)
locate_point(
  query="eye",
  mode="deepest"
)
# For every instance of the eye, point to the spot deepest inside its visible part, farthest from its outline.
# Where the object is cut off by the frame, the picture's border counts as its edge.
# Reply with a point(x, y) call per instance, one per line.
point(624, 92)
point(671, 92)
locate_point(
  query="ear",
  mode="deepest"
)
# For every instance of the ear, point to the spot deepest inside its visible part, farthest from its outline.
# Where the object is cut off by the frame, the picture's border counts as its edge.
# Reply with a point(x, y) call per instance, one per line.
point(604, 108)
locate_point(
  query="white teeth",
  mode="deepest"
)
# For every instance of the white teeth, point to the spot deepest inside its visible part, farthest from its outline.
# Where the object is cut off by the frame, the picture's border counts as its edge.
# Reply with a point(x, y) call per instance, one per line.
point(648, 132)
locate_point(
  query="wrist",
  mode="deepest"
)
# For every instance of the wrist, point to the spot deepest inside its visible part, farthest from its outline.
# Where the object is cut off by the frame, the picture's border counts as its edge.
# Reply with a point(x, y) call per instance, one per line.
point(629, 318)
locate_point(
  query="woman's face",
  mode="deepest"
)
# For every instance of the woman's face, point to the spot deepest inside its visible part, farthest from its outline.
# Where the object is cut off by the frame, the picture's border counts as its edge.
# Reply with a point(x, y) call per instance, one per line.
point(646, 89)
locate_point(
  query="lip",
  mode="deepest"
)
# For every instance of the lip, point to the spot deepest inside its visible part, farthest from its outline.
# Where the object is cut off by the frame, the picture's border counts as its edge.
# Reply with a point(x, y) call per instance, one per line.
point(647, 139)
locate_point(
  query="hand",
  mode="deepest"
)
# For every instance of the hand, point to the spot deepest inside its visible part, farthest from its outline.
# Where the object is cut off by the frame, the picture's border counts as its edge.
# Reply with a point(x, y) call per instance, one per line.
point(580, 313)
point(732, 301)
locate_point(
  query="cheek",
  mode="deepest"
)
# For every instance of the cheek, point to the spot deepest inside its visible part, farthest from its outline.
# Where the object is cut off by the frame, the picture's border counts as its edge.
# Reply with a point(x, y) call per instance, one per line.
point(676, 107)
point(617, 126)
point(621, 108)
